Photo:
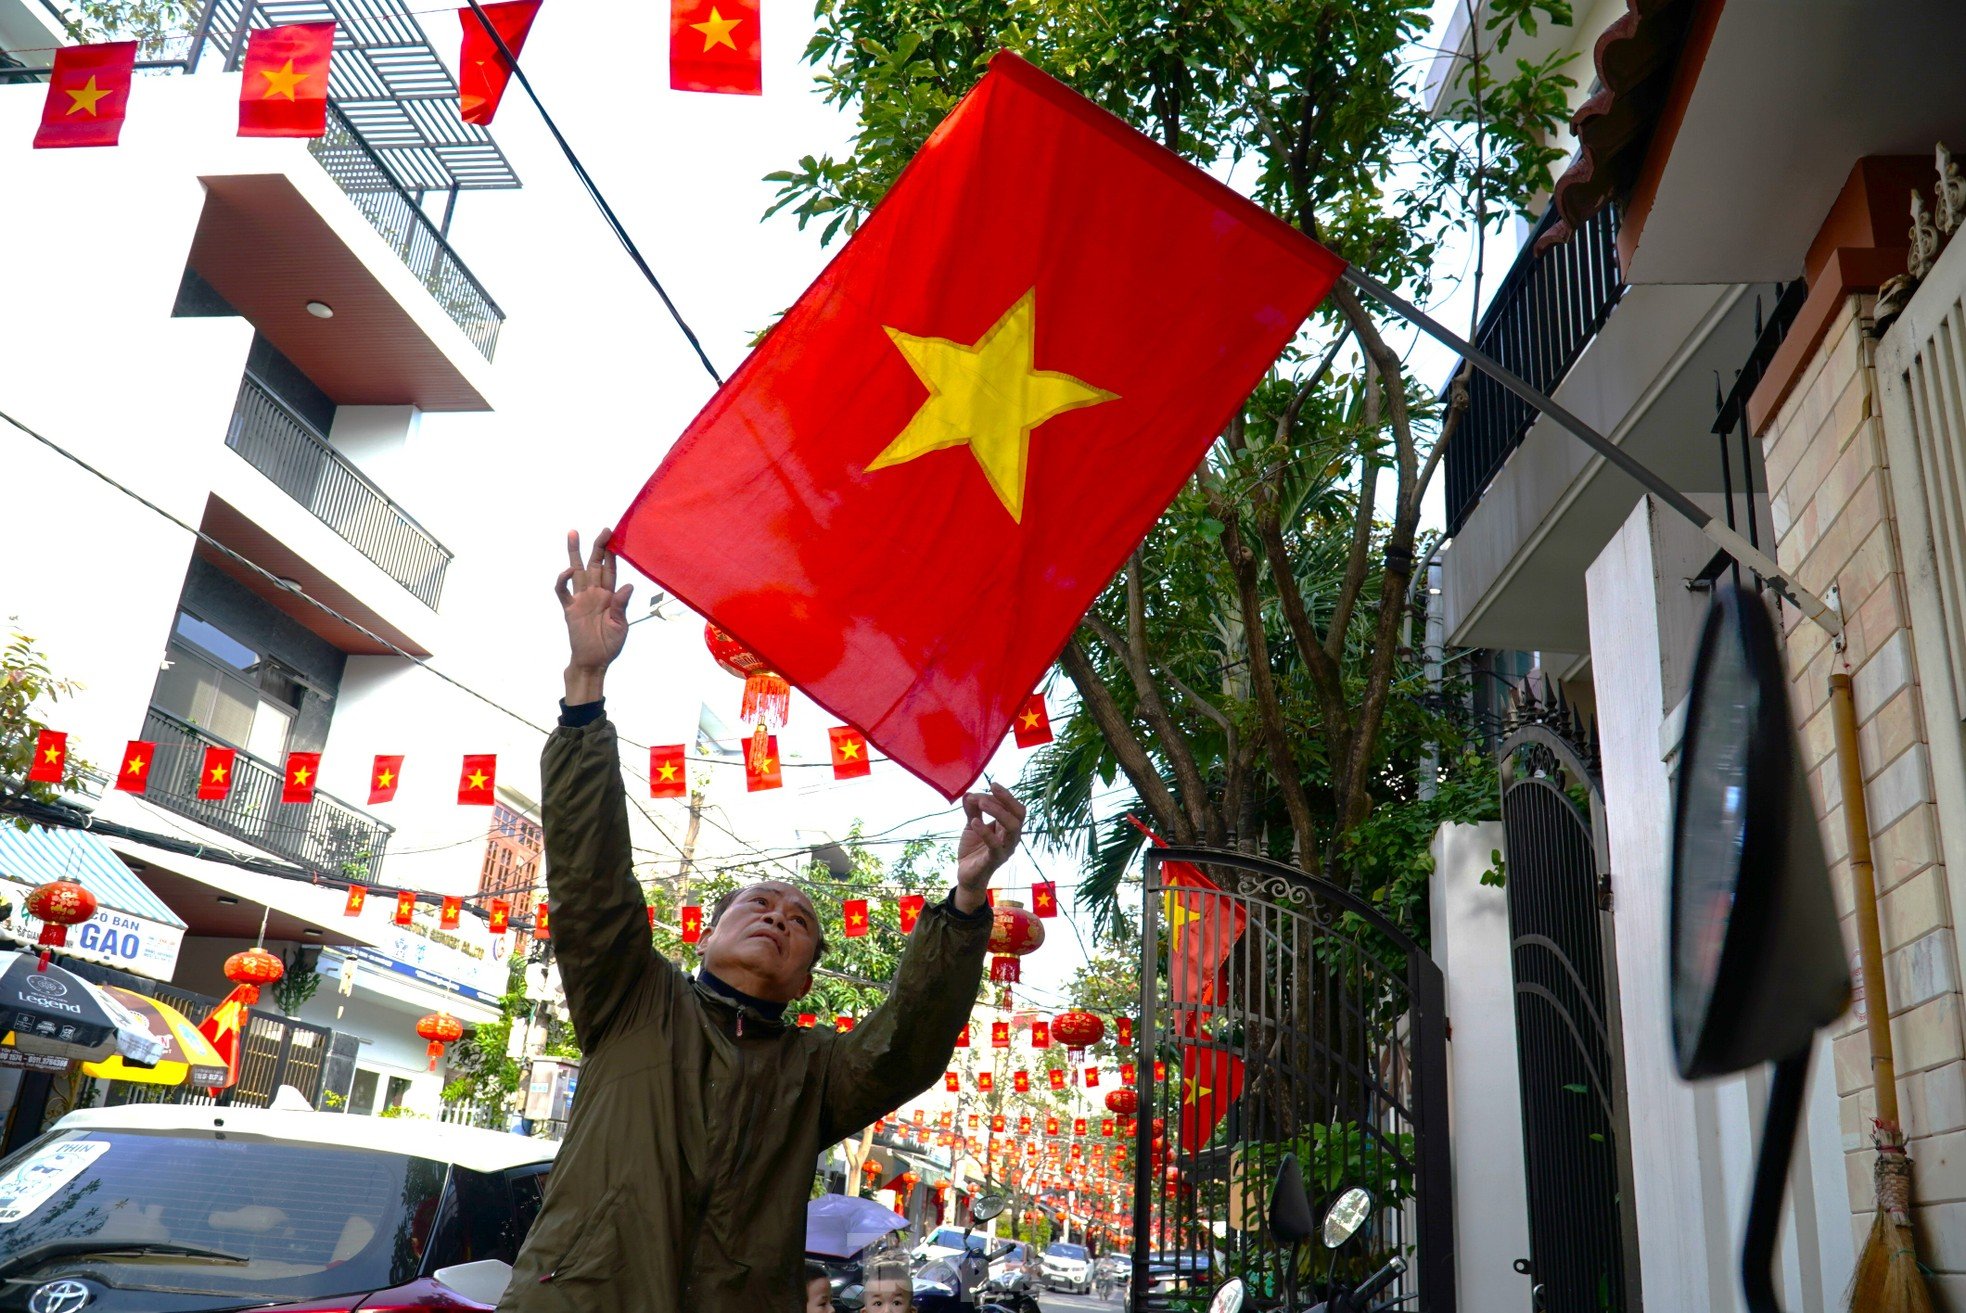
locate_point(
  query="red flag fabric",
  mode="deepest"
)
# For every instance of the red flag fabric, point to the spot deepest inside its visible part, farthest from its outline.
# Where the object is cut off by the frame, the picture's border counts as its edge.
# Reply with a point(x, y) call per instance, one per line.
point(842, 1024)
point(999, 1034)
point(1105, 1129)
point(481, 71)
point(668, 772)
point(962, 1036)
point(499, 917)
point(951, 1081)
point(88, 94)
point(383, 778)
point(298, 783)
point(997, 1121)
point(477, 779)
point(356, 897)
point(135, 775)
point(910, 906)
point(1051, 1126)
point(1044, 898)
point(1203, 926)
point(1040, 1034)
point(651, 915)
point(1211, 1080)
point(285, 90)
point(849, 753)
point(985, 1081)
point(1057, 1078)
point(1127, 1070)
point(1021, 1082)
point(405, 907)
point(807, 1020)
point(1024, 1124)
point(692, 923)
point(50, 757)
point(714, 46)
point(1124, 1025)
point(540, 929)
point(1078, 1128)
point(853, 912)
point(762, 770)
point(1032, 724)
point(215, 776)
point(222, 1028)
point(447, 914)
point(982, 387)
point(1092, 1078)
point(1160, 1072)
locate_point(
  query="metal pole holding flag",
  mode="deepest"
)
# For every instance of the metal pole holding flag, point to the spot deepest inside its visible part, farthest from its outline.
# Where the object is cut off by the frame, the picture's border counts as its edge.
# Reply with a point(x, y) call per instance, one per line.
point(1716, 531)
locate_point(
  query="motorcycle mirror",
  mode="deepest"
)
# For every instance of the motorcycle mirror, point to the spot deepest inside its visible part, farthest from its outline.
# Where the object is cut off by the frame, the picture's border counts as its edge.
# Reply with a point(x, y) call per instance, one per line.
point(1345, 1216)
point(1757, 959)
point(988, 1206)
point(1290, 1208)
point(1228, 1299)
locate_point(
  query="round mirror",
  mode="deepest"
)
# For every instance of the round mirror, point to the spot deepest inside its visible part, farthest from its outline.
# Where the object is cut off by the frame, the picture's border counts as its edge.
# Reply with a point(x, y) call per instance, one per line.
point(988, 1206)
point(1756, 957)
point(1228, 1299)
point(1345, 1216)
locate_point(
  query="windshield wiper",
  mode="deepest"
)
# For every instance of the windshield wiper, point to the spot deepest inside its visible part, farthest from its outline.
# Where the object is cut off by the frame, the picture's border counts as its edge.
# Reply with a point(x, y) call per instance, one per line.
point(47, 1253)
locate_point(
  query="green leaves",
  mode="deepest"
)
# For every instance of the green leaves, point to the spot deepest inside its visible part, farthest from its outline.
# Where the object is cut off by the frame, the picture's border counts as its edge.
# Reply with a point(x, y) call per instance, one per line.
point(26, 682)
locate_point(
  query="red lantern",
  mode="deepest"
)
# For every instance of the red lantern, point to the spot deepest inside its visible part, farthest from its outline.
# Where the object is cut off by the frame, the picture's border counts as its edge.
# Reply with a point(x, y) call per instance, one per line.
point(909, 1180)
point(1013, 933)
point(870, 1169)
point(60, 904)
point(1122, 1101)
point(251, 969)
point(1173, 1176)
point(767, 695)
point(440, 1028)
point(1078, 1029)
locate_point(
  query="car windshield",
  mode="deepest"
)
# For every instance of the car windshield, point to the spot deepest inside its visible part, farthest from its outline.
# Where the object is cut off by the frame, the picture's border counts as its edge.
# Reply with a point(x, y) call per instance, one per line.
point(1073, 1252)
point(951, 1238)
point(309, 1220)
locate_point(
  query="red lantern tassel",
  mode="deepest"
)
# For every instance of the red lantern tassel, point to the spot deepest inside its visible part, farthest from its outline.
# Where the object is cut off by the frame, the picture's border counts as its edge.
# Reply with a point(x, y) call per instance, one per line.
point(54, 935)
point(767, 698)
point(436, 1051)
point(1004, 969)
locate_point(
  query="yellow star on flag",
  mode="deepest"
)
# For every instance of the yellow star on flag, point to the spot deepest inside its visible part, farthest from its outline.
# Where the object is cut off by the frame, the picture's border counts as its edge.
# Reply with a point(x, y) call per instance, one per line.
point(850, 750)
point(762, 765)
point(385, 779)
point(136, 765)
point(667, 770)
point(476, 779)
point(281, 81)
point(987, 396)
point(86, 95)
point(716, 30)
point(1178, 915)
point(1030, 719)
point(52, 754)
point(1196, 1090)
point(218, 773)
point(300, 774)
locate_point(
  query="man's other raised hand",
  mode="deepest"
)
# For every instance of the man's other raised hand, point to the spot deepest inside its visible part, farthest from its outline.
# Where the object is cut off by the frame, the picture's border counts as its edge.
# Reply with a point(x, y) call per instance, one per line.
point(596, 613)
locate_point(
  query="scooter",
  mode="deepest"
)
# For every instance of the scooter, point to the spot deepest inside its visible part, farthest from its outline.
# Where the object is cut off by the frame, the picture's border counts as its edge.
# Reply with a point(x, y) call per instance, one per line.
point(956, 1285)
point(1014, 1291)
point(1291, 1224)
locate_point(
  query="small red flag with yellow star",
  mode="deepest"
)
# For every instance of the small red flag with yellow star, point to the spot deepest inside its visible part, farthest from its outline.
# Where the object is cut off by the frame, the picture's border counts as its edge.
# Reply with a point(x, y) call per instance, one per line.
point(843, 1024)
point(1032, 724)
point(762, 770)
point(135, 773)
point(285, 89)
point(356, 897)
point(910, 906)
point(1092, 1078)
point(383, 778)
point(88, 94)
point(1044, 898)
point(962, 1036)
point(854, 913)
point(478, 778)
point(405, 907)
point(215, 776)
point(1124, 1025)
point(498, 919)
point(985, 1081)
point(540, 929)
point(481, 71)
point(1057, 1078)
point(714, 46)
point(951, 1081)
point(447, 915)
point(1040, 1034)
point(668, 772)
point(302, 767)
point(692, 923)
point(1021, 1082)
point(849, 752)
point(1211, 1080)
point(50, 757)
point(999, 1034)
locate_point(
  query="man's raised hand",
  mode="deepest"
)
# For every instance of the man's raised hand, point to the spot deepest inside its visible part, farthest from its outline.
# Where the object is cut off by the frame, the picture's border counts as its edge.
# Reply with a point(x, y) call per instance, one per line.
point(994, 822)
point(596, 613)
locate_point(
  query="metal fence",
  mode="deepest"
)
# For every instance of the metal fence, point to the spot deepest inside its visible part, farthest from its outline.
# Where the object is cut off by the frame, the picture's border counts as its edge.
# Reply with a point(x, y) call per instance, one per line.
point(278, 443)
point(1546, 311)
point(326, 836)
point(395, 214)
point(1302, 1023)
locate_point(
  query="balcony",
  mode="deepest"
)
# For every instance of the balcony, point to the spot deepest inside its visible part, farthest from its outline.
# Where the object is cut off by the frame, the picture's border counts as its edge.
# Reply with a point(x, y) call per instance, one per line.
point(1544, 314)
point(363, 177)
point(287, 449)
point(327, 836)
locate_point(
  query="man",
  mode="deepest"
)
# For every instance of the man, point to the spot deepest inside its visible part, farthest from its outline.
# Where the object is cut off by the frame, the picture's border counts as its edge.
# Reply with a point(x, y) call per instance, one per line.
point(687, 1166)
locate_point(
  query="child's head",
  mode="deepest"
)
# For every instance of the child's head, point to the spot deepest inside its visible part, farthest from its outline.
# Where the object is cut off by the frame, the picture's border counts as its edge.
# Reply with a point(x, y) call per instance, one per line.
point(889, 1286)
point(819, 1289)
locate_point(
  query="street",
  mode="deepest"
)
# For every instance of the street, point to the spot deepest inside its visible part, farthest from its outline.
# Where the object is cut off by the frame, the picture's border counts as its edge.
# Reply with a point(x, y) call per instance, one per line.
point(1057, 1301)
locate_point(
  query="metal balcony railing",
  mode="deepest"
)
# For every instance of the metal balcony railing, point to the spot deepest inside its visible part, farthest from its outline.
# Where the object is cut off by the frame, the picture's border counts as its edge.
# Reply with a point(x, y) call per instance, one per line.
point(1544, 314)
point(286, 449)
point(394, 213)
point(326, 836)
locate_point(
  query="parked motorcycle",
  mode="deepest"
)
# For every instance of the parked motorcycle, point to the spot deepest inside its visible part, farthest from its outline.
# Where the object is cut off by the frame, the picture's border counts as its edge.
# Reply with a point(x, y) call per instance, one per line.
point(1014, 1290)
point(1291, 1224)
point(961, 1285)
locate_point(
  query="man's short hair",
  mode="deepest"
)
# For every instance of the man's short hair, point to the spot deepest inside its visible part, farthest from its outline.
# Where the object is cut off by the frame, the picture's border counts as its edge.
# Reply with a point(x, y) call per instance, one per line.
point(718, 908)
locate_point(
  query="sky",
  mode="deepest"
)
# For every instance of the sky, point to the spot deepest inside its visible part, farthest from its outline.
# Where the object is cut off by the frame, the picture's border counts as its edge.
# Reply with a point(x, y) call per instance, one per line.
point(595, 382)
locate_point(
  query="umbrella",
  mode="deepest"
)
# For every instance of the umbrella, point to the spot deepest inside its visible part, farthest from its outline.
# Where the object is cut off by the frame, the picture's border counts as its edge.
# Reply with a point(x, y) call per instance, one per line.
point(188, 1057)
point(58, 1013)
point(840, 1226)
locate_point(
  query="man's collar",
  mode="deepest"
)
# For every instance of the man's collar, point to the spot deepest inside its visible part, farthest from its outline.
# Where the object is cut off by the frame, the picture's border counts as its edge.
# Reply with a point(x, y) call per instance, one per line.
point(764, 1007)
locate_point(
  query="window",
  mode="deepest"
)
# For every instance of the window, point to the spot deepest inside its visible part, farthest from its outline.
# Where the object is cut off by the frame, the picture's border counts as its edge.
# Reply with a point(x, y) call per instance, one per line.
point(399, 1089)
point(224, 687)
point(512, 853)
point(361, 1096)
point(528, 1193)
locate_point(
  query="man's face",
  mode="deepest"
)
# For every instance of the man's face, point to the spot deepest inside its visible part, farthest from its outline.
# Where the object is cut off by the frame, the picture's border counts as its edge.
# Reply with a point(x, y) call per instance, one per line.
point(763, 942)
point(819, 1296)
point(888, 1297)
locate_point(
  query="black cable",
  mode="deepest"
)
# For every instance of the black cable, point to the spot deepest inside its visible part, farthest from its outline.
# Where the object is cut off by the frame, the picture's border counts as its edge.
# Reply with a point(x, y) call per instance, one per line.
point(600, 201)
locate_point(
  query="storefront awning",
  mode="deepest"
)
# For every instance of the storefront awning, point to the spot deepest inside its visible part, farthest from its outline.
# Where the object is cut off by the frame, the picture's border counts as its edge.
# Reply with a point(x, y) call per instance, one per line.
point(132, 928)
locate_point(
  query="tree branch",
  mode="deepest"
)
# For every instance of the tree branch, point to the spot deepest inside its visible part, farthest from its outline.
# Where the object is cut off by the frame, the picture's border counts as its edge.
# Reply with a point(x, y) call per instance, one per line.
point(1358, 560)
point(1131, 650)
point(1119, 735)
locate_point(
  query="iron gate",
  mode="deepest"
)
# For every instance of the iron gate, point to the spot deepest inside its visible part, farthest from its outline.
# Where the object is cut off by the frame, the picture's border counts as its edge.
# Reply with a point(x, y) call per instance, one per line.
point(1583, 1237)
point(1319, 1032)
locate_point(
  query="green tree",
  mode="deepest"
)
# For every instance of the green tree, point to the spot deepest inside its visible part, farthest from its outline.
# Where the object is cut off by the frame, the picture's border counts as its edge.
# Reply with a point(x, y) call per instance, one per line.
point(26, 683)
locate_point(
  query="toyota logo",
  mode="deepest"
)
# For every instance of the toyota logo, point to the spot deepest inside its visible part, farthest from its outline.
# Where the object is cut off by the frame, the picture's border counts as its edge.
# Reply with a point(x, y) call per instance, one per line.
point(45, 984)
point(59, 1297)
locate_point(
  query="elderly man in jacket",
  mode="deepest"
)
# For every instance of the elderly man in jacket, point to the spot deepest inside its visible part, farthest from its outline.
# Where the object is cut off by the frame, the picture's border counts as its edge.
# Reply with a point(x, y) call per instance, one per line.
point(688, 1162)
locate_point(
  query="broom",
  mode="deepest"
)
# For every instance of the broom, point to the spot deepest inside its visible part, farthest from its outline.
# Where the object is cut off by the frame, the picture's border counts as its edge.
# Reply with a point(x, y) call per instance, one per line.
point(1888, 1278)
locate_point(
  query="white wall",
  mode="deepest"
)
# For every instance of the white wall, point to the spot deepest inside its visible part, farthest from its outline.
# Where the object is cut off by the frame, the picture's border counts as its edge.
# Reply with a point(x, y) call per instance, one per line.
point(1471, 945)
point(1692, 1146)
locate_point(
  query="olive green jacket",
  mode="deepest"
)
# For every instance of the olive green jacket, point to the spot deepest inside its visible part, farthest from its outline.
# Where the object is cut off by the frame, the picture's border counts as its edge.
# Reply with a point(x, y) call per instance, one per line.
point(688, 1162)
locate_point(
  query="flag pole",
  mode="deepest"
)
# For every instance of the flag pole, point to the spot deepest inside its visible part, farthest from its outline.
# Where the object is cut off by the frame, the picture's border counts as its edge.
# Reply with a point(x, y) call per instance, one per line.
point(1716, 531)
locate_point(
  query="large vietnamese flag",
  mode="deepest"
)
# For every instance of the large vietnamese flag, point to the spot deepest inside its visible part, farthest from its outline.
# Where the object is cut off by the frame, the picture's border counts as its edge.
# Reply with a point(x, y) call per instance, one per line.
point(928, 469)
